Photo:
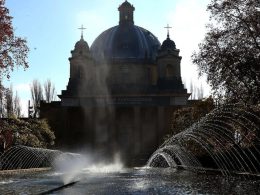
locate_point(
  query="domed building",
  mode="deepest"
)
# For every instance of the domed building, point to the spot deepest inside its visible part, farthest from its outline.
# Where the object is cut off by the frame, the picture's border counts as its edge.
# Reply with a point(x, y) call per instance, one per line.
point(121, 92)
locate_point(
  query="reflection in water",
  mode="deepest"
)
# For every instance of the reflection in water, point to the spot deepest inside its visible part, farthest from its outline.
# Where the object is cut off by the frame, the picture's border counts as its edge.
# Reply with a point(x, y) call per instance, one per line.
point(6, 182)
point(133, 181)
point(140, 184)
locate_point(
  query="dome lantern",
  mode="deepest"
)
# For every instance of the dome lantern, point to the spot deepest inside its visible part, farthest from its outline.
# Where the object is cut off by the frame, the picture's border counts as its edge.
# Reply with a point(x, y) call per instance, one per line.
point(81, 46)
point(126, 13)
point(168, 44)
point(126, 42)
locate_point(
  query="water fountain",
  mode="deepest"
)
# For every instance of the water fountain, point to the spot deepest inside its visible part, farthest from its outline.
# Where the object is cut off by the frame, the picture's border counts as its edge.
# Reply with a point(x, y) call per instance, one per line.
point(18, 159)
point(226, 139)
point(24, 157)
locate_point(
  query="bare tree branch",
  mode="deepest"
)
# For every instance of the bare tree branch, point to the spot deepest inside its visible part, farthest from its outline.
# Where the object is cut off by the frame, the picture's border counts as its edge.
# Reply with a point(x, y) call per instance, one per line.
point(37, 96)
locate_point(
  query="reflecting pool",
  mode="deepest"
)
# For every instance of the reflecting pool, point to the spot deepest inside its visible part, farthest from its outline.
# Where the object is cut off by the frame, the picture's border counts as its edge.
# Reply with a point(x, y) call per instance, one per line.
point(130, 181)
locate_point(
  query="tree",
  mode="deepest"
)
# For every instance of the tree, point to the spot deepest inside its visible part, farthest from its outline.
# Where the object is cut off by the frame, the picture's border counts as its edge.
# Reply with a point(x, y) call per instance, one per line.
point(200, 92)
point(1, 100)
point(49, 91)
point(230, 52)
point(37, 96)
point(9, 102)
point(13, 50)
point(183, 118)
point(17, 106)
point(28, 132)
point(192, 90)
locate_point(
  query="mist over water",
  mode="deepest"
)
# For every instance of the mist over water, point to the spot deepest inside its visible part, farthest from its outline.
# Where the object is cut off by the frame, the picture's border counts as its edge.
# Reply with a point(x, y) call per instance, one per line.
point(102, 167)
point(96, 86)
point(72, 169)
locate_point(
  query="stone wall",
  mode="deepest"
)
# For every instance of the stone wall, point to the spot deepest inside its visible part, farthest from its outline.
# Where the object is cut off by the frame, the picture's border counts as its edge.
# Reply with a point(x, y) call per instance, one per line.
point(135, 132)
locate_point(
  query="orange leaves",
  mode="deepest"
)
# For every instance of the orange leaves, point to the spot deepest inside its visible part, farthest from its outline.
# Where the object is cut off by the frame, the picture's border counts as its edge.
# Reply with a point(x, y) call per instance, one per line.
point(13, 50)
point(6, 29)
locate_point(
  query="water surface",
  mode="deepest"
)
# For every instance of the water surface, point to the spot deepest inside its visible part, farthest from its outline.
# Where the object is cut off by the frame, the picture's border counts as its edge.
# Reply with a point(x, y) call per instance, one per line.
point(131, 181)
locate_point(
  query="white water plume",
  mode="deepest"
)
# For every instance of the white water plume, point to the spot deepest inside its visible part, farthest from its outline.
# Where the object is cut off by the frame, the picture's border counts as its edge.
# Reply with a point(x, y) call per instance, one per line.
point(70, 166)
point(115, 166)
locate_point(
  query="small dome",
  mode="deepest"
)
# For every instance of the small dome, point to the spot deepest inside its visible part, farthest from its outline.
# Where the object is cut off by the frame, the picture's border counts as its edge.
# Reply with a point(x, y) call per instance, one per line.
point(126, 4)
point(81, 45)
point(81, 49)
point(168, 44)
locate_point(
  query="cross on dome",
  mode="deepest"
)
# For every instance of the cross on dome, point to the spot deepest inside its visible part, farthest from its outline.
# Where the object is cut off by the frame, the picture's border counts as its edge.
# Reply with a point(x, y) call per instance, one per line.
point(168, 30)
point(82, 30)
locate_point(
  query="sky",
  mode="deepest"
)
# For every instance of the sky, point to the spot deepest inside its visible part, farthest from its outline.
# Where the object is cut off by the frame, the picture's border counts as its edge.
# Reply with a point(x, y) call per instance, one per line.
point(51, 30)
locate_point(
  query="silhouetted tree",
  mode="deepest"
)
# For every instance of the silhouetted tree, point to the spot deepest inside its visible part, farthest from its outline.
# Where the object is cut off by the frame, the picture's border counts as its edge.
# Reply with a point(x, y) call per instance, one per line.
point(12, 103)
point(17, 106)
point(13, 50)
point(192, 96)
point(9, 102)
point(194, 92)
point(200, 92)
point(1, 100)
point(230, 52)
point(37, 96)
point(49, 91)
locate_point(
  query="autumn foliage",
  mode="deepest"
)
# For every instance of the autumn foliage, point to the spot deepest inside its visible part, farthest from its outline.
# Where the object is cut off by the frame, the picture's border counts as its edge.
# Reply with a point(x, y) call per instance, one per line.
point(27, 132)
point(13, 50)
point(183, 118)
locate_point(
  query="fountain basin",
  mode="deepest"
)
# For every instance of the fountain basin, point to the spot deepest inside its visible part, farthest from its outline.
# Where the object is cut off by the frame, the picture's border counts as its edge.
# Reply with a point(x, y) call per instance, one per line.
point(132, 181)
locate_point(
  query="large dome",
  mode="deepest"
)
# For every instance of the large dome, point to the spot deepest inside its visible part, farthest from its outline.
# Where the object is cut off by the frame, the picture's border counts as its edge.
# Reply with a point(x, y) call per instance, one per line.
point(126, 42)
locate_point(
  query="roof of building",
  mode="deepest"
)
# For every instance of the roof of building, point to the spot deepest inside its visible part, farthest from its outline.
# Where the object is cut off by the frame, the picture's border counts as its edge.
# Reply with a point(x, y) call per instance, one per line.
point(125, 42)
point(81, 44)
point(168, 44)
point(125, 4)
